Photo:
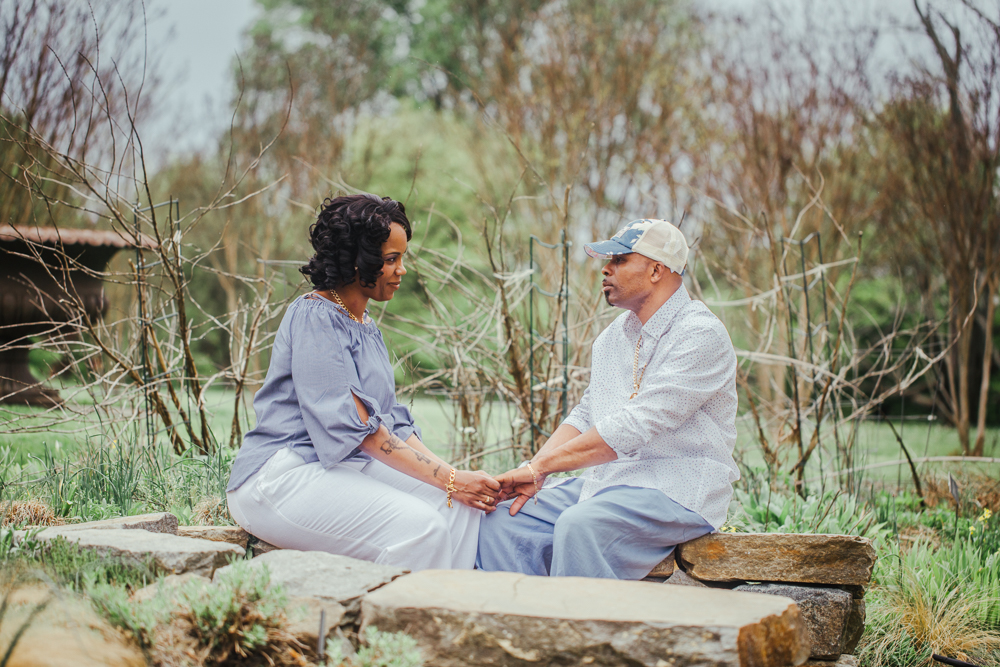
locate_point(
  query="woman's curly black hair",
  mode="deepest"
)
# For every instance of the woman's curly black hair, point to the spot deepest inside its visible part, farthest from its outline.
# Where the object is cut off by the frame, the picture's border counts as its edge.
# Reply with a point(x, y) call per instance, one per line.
point(348, 233)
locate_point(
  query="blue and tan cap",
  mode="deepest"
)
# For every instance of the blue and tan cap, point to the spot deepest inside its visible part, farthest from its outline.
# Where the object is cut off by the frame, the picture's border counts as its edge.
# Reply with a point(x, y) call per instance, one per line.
point(657, 239)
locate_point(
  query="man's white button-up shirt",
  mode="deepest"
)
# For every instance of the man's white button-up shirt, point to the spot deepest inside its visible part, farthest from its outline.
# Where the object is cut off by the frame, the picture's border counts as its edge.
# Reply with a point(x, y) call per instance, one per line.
point(677, 434)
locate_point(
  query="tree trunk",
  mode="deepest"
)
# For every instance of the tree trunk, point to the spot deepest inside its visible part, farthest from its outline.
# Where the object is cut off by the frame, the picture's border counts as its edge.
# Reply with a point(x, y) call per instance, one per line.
point(963, 351)
point(984, 388)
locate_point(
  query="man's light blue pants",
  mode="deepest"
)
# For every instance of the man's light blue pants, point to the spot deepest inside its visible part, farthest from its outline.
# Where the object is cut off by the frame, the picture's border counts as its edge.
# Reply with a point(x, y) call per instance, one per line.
point(622, 532)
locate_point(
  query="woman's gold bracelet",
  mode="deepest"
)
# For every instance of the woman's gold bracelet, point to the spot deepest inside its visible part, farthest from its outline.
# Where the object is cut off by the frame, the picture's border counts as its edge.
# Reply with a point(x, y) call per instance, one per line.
point(451, 486)
point(534, 480)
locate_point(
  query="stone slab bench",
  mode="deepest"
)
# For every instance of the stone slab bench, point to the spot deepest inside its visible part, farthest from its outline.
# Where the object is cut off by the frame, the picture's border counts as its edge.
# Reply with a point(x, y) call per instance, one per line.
point(462, 618)
point(817, 583)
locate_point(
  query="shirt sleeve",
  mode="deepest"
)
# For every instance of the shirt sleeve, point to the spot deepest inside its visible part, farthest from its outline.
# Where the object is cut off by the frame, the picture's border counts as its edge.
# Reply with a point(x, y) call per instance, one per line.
point(324, 376)
point(699, 368)
point(579, 417)
point(403, 424)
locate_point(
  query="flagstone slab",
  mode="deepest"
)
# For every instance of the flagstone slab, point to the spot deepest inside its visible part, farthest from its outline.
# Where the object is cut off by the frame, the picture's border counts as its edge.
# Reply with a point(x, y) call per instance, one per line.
point(779, 557)
point(323, 576)
point(170, 554)
point(470, 618)
point(158, 522)
point(321, 587)
point(230, 534)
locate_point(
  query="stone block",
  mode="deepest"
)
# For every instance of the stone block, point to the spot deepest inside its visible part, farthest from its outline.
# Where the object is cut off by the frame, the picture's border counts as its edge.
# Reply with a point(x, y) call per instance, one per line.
point(682, 578)
point(159, 522)
point(304, 615)
point(229, 534)
point(170, 554)
point(855, 626)
point(665, 568)
point(824, 610)
point(778, 557)
point(259, 547)
point(468, 618)
point(323, 576)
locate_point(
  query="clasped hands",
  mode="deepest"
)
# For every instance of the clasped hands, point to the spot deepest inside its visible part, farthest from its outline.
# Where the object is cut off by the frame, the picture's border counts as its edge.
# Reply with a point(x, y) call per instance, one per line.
point(477, 489)
point(521, 484)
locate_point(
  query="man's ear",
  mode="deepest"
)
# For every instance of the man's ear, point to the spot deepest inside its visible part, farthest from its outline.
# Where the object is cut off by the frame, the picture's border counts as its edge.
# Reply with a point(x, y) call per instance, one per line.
point(657, 272)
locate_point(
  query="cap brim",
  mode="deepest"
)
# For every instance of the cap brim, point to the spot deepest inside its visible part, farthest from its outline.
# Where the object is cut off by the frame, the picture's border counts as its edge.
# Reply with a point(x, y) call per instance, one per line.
point(606, 249)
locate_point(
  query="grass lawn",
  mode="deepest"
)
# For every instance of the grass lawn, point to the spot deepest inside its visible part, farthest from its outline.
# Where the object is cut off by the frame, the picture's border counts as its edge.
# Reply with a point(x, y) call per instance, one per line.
point(875, 442)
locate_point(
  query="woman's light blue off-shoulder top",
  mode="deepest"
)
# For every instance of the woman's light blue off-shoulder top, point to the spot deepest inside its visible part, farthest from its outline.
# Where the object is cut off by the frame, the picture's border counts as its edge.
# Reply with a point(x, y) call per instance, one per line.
point(319, 357)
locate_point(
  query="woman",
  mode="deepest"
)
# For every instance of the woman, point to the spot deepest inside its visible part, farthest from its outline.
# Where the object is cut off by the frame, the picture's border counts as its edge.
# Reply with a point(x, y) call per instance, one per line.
point(335, 463)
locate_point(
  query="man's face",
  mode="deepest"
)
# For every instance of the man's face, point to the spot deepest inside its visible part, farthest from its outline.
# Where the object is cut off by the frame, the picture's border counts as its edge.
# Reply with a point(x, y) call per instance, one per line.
point(626, 280)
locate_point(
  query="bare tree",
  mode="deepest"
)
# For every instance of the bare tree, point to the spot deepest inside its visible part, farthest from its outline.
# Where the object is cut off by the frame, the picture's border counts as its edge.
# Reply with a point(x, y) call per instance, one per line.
point(86, 160)
point(942, 139)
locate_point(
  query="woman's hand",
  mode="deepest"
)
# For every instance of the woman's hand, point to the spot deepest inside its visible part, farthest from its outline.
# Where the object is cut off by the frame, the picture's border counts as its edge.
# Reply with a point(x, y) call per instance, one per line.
point(476, 489)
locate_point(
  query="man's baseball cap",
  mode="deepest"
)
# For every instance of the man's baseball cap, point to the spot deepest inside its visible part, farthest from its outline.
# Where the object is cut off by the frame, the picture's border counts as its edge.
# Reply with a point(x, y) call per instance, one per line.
point(657, 239)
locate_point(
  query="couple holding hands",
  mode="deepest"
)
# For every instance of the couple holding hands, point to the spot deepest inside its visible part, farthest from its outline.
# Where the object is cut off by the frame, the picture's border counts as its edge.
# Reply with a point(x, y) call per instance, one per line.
point(335, 464)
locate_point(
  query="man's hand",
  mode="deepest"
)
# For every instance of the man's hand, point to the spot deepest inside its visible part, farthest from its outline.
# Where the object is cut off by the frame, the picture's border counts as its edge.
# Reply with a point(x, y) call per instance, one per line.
point(521, 483)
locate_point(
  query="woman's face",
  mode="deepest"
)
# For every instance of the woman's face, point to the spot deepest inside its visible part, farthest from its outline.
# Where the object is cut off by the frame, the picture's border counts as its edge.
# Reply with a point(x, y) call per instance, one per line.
point(392, 268)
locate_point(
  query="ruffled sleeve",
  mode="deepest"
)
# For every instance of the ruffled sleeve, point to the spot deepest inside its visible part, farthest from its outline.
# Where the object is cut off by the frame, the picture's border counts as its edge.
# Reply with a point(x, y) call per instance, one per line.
point(324, 376)
point(404, 425)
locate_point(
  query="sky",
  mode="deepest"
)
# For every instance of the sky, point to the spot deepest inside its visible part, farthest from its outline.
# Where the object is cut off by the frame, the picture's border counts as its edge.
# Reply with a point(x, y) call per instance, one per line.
point(197, 41)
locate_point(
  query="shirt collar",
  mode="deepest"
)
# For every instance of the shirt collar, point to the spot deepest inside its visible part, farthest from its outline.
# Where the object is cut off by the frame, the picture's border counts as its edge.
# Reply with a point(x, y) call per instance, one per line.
point(658, 324)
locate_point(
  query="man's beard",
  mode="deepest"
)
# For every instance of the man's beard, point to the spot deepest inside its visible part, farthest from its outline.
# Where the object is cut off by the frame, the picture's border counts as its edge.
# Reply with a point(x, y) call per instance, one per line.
point(607, 298)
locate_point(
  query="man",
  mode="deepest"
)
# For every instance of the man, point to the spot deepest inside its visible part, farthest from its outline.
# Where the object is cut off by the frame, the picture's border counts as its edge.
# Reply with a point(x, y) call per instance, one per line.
point(655, 429)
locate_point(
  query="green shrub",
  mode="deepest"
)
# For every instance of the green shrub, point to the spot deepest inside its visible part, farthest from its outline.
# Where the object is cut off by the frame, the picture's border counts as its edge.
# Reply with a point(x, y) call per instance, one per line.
point(381, 649)
point(768, 511)
point(241, 612)
point(137, 619)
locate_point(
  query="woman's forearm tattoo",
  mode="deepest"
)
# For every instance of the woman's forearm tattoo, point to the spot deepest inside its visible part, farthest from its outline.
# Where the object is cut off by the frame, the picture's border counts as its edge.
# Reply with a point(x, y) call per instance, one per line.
point(392, 444)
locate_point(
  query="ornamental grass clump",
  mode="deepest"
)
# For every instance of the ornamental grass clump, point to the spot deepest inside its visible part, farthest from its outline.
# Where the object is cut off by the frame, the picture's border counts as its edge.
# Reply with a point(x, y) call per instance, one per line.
point(927, 600)
point(32, 512)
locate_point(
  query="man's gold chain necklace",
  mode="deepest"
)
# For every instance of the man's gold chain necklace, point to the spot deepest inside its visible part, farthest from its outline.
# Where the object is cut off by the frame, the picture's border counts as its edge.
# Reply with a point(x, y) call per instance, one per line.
point(340, 302)
point(636, 375)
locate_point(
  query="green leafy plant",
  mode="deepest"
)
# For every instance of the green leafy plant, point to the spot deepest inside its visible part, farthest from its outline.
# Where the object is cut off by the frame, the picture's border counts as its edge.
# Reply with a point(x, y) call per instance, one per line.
point(138, 619)
point(241, 612)
point(381, 649)
point(768, 511)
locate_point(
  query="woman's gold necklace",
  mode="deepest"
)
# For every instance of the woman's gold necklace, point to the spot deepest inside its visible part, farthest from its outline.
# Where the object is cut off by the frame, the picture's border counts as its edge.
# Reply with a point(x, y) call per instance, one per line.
point(340, 302)
point(636, 375)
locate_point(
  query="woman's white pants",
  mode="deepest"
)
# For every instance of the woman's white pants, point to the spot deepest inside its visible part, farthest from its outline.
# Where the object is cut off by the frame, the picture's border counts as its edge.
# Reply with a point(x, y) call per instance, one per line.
point(361, 509)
